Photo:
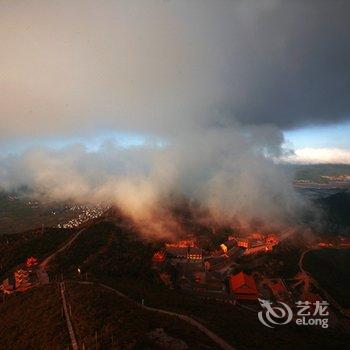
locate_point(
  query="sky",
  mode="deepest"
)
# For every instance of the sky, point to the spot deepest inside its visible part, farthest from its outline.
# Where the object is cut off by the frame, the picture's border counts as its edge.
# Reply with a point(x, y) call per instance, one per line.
point(320, 144)
point(77, 70)
point(143, 99)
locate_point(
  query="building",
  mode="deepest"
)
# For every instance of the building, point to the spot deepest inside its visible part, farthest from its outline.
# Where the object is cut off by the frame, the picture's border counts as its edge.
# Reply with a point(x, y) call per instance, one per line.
point(243, 287)
point(177, 254)
point(30, 262)
point(195, 254)
point(243, 243)
point(229, 244)
point(158, 257)
point(271, 240)
point(7, 286)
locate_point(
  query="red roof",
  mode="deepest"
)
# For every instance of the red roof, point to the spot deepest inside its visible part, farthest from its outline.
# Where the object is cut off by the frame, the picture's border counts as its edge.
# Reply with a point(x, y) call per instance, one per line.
point(159, 256)
point(31, 261)
point(243, 285)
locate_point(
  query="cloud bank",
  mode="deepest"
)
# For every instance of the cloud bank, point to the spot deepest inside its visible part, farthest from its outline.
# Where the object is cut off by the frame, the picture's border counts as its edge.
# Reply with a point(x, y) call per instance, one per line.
point(228, 174)
point(319, 156)
point(71, 67)
point(216, 80)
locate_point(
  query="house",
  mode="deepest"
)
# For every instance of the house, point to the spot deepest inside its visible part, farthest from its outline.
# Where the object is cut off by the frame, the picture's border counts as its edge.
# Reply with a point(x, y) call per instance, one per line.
point(194, 254)
point(30, 262)
point(158, 257)
point(225, 247)
point(271, 240)
point(243, 287)
point(177, 252)
point(243, 243)
point(7, 286)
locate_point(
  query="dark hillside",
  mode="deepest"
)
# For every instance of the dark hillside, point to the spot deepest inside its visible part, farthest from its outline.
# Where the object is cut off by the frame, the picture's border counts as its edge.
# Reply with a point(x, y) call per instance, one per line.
point(33, 321)
point(16, 248)
point(116, 323)
point(115, 255)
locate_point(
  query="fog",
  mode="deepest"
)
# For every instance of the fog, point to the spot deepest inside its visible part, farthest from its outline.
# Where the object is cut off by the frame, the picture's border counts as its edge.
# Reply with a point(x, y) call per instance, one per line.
point(228, 173)
point(216, 81)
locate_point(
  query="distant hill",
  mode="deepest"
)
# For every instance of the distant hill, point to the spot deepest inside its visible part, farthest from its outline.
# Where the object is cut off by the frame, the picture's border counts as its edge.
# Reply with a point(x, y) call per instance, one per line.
point(18, 214)
point(336, 208)
point(330, 267)
point(318, 172)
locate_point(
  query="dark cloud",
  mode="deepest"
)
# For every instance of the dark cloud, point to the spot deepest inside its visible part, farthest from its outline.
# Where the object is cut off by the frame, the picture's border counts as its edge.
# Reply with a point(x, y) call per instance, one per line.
point(295, 64)
point(165, 67)
point(215, 81)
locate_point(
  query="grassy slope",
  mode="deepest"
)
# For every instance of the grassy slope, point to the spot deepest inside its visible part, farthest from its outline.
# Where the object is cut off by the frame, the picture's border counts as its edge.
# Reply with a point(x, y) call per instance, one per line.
point(96, 309)
point(33, 320)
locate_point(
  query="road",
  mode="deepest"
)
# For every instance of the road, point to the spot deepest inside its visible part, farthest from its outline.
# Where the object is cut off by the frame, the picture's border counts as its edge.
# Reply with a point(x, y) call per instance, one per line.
point(214, 337)
point(73, 339)
point(44, 264)
point(41, 271)
point(48, 259)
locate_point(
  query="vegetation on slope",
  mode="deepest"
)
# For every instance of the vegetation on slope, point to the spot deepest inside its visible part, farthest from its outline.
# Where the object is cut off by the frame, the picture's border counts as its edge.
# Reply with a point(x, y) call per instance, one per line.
point(33, 321)
point(16, 248)
point(113, 254)
point(102, 317)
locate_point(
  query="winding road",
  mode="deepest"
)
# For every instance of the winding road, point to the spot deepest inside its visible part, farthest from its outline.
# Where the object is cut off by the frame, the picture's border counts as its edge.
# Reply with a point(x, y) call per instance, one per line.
point(42, 271)
point(214, 337)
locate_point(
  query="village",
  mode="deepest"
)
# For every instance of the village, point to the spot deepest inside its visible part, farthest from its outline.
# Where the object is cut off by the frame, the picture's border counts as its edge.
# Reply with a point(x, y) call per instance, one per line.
point(229, 274)
point(86, 213)
point(25, 277)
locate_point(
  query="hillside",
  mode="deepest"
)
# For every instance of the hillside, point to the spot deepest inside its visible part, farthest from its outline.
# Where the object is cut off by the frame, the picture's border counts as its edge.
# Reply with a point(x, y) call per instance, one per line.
point(19, 214)
point(112, 253)
point(16, 248)
point(116, 323)
point(33, 321)
point(319, 173)
point(337, 208)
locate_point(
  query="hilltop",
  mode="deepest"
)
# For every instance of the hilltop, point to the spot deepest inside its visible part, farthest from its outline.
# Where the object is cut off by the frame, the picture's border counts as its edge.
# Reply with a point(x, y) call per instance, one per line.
point(111, 251)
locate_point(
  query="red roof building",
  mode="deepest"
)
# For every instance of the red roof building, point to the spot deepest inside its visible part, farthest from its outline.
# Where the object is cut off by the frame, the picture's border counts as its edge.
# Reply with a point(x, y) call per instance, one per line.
point(158, 257)
point(243, 286)
point(30, 262)
point(243, 243)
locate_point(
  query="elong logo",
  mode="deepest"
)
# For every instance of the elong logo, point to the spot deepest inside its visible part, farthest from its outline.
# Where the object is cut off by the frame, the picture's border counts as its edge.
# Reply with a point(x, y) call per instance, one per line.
point(274, 315)
point(282, 313)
